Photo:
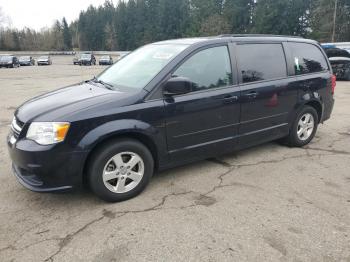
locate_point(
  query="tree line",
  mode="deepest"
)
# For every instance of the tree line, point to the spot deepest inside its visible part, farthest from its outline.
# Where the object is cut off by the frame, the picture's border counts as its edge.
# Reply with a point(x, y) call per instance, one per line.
point(130, 24)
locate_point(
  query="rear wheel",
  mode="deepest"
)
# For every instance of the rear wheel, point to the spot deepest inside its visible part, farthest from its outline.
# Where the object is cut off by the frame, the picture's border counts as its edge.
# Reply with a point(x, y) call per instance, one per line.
point(304, 127)
point(120, 170)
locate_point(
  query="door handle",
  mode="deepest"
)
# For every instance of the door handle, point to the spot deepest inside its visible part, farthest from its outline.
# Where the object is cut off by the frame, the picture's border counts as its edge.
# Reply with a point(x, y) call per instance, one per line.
point(230, 98)
point(251, 95)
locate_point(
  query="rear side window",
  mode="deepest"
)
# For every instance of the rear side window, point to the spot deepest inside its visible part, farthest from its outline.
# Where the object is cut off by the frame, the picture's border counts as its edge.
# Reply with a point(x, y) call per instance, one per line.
point(307, 59)
point(210, 68)
point(261, 62)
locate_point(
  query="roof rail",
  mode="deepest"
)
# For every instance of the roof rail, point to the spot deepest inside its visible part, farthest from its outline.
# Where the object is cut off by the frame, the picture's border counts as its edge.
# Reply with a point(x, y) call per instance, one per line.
point(257, 35)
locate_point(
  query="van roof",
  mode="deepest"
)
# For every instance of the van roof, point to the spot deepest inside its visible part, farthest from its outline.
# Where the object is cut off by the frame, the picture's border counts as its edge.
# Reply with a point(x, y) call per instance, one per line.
point(237, 37)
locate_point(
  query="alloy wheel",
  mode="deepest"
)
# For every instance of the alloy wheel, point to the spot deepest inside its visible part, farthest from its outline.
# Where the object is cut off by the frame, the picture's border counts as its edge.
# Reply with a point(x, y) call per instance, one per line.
point(306, 126)
point(123, 172)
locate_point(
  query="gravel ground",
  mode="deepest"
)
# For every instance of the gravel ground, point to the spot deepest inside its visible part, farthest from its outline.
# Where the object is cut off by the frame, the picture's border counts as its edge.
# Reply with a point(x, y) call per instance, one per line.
point(268, 203)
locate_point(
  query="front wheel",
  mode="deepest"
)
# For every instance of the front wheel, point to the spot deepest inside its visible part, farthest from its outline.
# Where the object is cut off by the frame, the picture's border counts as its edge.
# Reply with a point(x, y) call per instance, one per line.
point(304, 127)
point(120, 170)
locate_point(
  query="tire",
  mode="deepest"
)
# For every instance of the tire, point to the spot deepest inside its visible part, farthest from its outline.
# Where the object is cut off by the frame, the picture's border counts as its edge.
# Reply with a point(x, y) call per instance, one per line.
point(106, 187)
point(303, 138)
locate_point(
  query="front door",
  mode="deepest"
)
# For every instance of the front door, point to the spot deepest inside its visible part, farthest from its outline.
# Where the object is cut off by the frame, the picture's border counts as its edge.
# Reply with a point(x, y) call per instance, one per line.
point(204, 121)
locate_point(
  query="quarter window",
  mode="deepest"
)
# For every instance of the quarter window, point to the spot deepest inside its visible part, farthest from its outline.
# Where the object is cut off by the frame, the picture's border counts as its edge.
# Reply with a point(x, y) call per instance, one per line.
point(307, 59)
point(210, 68)
point(261, 62)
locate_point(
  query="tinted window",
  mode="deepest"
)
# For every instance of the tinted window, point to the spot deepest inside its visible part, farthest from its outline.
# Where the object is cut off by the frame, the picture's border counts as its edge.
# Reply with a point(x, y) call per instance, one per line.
point(261, 62)
point(307, 59)
point(209, 68)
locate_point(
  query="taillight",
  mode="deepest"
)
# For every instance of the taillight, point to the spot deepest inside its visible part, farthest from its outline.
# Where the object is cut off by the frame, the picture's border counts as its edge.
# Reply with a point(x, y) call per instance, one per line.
point(334, 83)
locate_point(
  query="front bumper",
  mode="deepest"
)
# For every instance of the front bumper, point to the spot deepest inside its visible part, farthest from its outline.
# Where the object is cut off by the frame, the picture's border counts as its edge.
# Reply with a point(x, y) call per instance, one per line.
point(25, 63)
point(5, 65)
point(86, 62)
point(45, 168)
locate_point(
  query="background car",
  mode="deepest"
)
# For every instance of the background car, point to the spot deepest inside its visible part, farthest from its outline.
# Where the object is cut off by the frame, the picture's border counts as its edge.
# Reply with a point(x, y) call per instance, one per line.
point(87, 59)
point(9, 61)
point(340, 62)
point(26, 61)
point(105, 60)
point(44, 60)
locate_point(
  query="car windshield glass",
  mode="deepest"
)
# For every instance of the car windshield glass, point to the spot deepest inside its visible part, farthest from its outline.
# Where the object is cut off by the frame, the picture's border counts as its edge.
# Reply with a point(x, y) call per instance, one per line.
point(6, 58)
point(24, 58)
point(104, 57)
point(85, 56)
point(43, 57)
point(138, 68)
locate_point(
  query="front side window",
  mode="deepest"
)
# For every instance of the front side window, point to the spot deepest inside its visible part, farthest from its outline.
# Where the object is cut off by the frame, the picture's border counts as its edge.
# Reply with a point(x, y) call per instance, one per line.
point(138, 68)
point(210, 68)
point(307, 59)
point(260, 62)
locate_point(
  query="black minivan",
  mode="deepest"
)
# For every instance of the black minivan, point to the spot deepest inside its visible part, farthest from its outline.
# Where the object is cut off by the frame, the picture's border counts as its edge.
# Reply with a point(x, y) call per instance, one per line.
point(167, 104)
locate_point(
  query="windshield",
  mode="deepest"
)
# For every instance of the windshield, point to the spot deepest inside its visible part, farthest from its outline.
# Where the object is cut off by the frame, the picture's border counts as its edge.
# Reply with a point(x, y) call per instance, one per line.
point(85, 56)
point(24, 58)
point(6, 58)
point(43, 57)
point(138, 68)
point(104, 57)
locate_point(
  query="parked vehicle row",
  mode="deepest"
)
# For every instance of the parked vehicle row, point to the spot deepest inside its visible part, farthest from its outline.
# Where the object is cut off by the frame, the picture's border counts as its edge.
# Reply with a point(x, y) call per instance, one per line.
point(11, 61)
point(171, 103)
point(90, 59)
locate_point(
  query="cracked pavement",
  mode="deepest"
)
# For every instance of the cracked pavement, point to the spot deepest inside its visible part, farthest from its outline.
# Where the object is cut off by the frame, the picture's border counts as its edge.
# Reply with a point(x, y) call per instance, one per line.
point(267, 203)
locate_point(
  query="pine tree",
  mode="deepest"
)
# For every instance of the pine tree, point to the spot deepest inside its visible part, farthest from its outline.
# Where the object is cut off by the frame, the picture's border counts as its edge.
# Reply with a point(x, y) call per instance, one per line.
point(67, 36)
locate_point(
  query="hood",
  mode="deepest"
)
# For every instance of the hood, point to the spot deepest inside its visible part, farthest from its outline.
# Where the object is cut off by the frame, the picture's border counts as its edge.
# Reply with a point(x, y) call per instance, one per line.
point(62, 103)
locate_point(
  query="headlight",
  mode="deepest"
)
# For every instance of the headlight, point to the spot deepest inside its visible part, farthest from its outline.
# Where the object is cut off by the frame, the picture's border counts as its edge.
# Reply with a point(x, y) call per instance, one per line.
point(47, 133)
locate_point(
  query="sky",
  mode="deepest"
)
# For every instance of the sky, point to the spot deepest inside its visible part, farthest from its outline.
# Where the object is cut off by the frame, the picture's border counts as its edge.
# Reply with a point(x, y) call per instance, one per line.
point(37, 14)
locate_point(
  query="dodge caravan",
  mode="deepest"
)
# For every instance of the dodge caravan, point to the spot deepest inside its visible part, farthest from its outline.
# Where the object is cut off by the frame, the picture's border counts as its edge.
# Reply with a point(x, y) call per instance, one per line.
point(167, 104)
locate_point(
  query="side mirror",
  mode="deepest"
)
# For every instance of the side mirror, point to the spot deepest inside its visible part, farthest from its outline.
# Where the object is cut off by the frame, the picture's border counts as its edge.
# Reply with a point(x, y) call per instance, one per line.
point(177, 86)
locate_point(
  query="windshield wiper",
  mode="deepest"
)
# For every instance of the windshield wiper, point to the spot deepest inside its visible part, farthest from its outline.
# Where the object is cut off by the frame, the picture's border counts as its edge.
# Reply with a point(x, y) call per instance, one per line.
point(106, 85)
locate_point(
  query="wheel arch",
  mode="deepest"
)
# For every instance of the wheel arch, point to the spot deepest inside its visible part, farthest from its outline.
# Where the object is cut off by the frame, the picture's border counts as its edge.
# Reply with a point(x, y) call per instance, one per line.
point(141, 137)
point(317, 106)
